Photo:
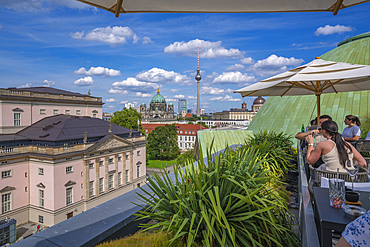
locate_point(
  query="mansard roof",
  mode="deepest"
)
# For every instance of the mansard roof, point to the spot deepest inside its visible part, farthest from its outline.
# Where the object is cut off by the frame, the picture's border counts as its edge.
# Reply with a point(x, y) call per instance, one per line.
point(67, 127)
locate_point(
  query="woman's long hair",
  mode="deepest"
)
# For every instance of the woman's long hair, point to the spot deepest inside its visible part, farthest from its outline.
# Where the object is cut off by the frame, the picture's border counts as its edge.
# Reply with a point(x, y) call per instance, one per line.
point(354, 120)
point(332, 128)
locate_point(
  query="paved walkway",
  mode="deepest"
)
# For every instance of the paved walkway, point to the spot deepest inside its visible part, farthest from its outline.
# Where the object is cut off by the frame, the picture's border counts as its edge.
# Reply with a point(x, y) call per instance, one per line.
point(150, 170)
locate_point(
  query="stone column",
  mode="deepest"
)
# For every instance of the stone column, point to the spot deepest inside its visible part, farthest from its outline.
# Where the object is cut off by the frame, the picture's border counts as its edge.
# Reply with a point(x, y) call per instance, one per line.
point(106, 168)
point(116, 173)
point(86, 179)
point(131, 172)
point(97, 176)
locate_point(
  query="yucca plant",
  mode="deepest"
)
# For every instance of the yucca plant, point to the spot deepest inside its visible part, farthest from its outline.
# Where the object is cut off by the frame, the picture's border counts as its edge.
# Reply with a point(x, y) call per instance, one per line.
point(229, 200)
point(276, 148)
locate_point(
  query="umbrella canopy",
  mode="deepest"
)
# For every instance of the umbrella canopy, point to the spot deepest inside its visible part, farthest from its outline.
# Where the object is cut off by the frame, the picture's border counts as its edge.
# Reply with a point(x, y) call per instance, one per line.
point(316, 77)
point(230, 6)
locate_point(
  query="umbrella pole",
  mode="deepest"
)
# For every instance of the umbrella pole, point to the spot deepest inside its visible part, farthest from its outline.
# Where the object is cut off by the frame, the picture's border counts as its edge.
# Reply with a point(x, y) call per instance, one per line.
point(318, 108)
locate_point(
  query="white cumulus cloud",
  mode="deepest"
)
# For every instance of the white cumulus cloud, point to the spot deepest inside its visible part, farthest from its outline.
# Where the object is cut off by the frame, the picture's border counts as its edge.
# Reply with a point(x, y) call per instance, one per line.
point(123, 102)
point(47, 83)
point(207, 49)
point(143, 95)
point(132, 84)
point(226, 98)
point(99, 71)
point(274, 65)
point(212, 76)
point(110, 100)
point(116, 35)
point(25, 85)
point(86, 81)
point(235, 67)
point(117, 91)
point(247, 60)
point(147, 40)
point(234, 78)
point(333, 29)
point(174, 90)
point(179, 96)
point(214, 90)
point(192, 97)
point(162, 76)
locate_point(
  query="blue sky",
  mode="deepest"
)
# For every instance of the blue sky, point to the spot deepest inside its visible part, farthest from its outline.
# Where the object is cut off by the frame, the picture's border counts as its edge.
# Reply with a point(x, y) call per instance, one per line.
point(75, 47)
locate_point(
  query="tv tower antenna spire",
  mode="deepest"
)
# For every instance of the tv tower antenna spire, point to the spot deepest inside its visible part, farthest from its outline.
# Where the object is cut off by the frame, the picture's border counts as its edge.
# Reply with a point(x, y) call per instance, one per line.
point(198, 77)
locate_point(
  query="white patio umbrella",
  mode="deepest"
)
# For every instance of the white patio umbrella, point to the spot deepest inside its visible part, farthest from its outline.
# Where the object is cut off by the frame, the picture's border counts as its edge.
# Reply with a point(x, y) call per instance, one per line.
point(316, 77)
point(223, 6)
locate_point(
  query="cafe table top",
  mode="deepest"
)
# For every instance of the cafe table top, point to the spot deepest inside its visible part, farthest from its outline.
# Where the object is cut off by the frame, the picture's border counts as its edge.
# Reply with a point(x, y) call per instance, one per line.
point(335, 218)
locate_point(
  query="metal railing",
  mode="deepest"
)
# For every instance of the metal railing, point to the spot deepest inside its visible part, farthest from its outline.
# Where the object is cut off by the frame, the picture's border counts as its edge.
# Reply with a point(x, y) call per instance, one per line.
point(309, 236)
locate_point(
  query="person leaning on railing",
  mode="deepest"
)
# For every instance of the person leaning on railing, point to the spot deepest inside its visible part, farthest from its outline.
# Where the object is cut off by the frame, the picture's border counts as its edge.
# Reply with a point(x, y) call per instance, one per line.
point(335, 151)
point(352, 132)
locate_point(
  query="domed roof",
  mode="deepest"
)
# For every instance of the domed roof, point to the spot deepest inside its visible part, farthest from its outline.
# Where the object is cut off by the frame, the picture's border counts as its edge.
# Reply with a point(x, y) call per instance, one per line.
point(143, 103)
point(170, 103)
point(259, 101)
point(158, 98)
point(351, 50)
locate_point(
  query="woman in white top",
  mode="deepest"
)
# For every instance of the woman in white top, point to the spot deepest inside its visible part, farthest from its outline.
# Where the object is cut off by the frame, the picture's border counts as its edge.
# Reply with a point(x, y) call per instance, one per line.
point(352, 132)
point(335, 151)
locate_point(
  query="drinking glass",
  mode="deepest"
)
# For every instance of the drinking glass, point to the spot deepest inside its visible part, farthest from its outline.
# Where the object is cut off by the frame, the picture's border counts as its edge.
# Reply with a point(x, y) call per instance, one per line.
point(352, 168)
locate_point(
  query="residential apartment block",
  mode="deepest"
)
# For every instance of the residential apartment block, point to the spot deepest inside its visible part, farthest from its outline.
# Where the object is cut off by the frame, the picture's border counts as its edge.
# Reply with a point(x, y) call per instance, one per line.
point(21, 107)
point(63, 165)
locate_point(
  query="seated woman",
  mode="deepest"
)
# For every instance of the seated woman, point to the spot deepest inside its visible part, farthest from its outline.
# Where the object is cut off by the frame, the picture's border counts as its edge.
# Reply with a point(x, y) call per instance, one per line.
point(357, 233)
point(352, 132)
point(335, 151)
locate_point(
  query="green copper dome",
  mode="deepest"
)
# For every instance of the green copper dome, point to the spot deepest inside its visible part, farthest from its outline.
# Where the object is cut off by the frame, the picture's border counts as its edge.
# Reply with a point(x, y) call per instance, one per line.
point(143, 103)
point(352, 50)
point(170, 103)
point(158, 98)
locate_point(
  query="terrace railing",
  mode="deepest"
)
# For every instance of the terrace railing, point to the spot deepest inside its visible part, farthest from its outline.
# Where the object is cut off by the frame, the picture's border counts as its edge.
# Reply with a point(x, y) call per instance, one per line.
point(307, 224)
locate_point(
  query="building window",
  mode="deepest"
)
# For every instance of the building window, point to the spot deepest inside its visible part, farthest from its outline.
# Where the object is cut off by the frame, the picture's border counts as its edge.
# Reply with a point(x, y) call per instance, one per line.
point(91, 188)
point(69, 169)
point(41, 219)
point(94, 115)
point(110, 161)
point(186, 138)
point(110, 181)
point(126, 156)
point(65, 146)
point(138, 171)
point(119, 158)
point(41, 198)
point(68, 112)
point(17, 119)
point(78, 112)
point(126, 176)
point(6, 174)
point(181, 132)
point(91, 165)
point(193, 138)
point(120, 178)
point(101, 185)
point(69, 196)
point(138, 153)
point(186, 132)
point(55, 111)
point(101, 163)
point(42, 111)
point(6, 202)
point(193, 132)
point(180, 138)
point(25, 189)
point(41, 171)
point(180, 145)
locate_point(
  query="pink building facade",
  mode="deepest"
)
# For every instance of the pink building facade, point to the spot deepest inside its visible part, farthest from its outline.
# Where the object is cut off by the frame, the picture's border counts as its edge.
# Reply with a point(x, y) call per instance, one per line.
point(21, 107)
point(48, 181)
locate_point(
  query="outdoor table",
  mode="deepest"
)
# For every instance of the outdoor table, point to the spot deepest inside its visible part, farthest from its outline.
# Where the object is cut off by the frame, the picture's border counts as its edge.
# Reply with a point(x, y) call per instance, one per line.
point(333, 218)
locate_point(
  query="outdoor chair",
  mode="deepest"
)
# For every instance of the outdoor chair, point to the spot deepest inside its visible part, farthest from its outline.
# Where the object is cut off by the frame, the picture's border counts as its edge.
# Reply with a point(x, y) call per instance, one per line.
point(316, 175)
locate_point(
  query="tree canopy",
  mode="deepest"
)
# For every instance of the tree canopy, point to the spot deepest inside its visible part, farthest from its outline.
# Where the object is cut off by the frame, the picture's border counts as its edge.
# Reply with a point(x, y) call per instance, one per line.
point(162, 143)
point(128, 118)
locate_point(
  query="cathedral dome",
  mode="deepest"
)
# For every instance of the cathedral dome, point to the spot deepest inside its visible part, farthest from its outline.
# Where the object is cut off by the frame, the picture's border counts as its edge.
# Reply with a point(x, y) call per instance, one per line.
point(158, 98)
point(259, 101)
point(170, 103)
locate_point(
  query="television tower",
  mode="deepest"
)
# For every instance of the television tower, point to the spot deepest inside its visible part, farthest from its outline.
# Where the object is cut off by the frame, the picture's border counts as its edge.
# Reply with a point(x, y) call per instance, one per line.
point(198, 78)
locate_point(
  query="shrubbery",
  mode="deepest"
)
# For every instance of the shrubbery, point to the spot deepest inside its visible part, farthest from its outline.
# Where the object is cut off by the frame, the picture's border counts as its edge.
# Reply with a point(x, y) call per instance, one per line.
point(233, 199)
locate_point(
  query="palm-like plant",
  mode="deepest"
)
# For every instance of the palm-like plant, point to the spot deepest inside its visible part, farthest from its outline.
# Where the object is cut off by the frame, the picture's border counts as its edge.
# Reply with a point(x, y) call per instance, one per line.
point(229, 200)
